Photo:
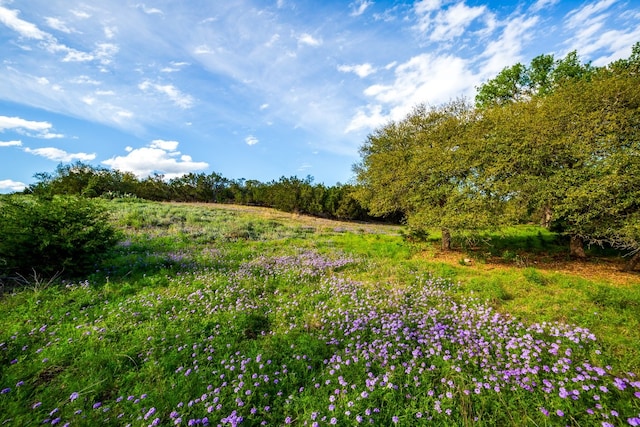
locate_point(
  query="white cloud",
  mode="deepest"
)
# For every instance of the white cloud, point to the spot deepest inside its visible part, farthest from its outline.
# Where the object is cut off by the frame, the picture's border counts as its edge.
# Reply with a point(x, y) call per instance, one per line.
point(158, 157)
point(8, 184)
point(578, 17)
point(182, 100)
point(359, 6)
point(10, 143)
point(362, 70)
point(507, 49)
point(424, 78)
point(425, 6)
point(58, 24)
point(59, 155)
point(543, 4)
point(103, 52)
point(83, 79)
point(449, 23)
point(309, 40)
point(27, 127)
point(149, 10)
point(264, 106)
point(251, 140)
point(171, 146)
point(80, 14)
point(175, 67)
point(26, 29)
point(593, 38)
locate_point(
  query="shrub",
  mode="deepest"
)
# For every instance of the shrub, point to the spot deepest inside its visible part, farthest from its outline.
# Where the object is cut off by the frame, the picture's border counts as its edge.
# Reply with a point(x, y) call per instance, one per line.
point(60, 235)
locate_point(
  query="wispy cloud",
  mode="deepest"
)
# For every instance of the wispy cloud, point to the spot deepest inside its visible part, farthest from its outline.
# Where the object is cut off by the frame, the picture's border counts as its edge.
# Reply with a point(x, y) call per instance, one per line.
point(149, 10)
point(59, 25)
point(59, 155)
point(507, 49)
point(543, 4)
point(359, 6)
point(159, 156)
point(180, 99)
point(588, 13)
point(446, 24)
point(25, 29)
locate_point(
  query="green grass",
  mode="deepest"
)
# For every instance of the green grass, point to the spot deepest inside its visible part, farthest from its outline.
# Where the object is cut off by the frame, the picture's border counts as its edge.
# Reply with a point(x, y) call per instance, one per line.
point(218, 312)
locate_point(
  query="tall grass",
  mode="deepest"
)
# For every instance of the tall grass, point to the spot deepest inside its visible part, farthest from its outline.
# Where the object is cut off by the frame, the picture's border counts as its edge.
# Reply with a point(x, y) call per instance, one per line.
point(207, 316)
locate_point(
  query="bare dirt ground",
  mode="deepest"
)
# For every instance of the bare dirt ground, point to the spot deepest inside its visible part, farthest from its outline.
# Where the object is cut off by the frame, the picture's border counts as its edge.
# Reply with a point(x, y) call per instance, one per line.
point(600, 269)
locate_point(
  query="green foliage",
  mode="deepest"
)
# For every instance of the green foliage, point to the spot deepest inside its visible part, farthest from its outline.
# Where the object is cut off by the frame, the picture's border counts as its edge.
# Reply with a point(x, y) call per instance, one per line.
point(175, 326)
point(60, 235)
point(556, 142)
point(287, 194)
point(542, 77)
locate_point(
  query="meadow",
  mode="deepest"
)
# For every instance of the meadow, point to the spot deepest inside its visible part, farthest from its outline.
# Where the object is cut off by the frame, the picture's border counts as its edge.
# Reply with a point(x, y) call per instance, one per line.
point(224, 316)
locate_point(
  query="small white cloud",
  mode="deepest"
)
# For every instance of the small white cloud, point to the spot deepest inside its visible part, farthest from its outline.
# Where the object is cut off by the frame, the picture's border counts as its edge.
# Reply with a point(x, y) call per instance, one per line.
point(149, 10)
point(203, 49)
point(27, 127)
point(58, 24)
point(10, 143)
point(264, 106)
point(78, 56)
point(542, 4)
point(273, 40)
point(164, 145)
point(80, 14)
point(182, 100)
point(159, 156)
point(110, 32)
point(362, 70)
point(359, 6)
point(175, 67)
point(11, 185)
point(85, 80)
point(251, 140)
point(59, 155)
point(446, 24)
point(309, 40)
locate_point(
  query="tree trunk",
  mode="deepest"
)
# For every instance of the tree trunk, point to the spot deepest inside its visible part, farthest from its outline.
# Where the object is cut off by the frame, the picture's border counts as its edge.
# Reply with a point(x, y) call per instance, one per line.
point(446, 239)
point(547, 215)
point(632, 263)
point(576, 247)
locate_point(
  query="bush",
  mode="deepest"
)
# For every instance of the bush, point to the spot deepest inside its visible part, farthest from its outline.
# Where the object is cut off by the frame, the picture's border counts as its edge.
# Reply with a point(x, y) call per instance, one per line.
point(60, 235)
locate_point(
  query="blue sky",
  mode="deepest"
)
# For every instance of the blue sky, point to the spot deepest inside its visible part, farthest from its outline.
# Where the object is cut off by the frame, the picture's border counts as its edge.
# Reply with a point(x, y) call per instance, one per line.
point(258, 89)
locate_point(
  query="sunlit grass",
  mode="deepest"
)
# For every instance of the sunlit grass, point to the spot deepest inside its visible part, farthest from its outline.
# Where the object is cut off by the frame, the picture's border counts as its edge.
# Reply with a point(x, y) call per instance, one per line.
point(223, 317)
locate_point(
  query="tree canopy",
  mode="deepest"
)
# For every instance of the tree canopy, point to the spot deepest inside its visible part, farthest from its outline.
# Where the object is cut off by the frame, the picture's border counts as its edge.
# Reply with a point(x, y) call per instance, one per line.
point(557, 142)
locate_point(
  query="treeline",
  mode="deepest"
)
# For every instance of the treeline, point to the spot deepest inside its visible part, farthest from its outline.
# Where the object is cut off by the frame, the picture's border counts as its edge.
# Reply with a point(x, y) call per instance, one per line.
point(557, 141)
point(287, 194)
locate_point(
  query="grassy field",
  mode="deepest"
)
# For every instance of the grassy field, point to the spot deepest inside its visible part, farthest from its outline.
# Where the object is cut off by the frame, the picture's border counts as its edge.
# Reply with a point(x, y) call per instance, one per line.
point(224, 315)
